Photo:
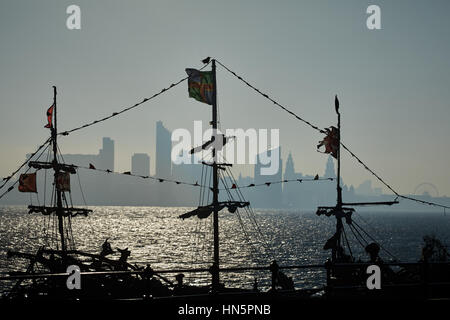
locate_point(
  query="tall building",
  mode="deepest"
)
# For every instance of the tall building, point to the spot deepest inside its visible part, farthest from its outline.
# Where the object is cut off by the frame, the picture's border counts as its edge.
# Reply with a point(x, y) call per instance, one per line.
point(270, 197)
point(163, 163)
point(329, 169)
point(140, 164)
point(106, 154)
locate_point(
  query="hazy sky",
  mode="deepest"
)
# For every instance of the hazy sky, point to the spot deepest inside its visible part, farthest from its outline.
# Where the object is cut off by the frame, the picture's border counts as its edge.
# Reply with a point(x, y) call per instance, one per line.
point(393, 83)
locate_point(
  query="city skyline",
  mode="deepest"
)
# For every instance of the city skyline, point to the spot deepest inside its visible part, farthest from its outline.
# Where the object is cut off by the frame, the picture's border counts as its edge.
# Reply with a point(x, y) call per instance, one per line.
point(103, 188)
point(392, 83)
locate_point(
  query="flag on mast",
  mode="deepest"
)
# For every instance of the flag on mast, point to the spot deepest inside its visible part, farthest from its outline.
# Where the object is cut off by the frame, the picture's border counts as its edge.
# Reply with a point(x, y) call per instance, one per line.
point(200, 85)
point(49, 117)
point(63, 181)
point(330, 142)
point(27, 182)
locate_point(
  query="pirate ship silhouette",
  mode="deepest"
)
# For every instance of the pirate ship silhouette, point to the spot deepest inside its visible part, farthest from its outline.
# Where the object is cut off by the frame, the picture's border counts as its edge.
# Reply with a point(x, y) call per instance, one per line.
point(106, 278)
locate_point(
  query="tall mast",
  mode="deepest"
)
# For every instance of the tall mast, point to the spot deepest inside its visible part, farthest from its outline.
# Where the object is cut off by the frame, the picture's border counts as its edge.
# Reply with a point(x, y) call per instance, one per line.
point(339, 211)
point(59, 210)
point(339, 225)
point(338, 186)
point(215, 269)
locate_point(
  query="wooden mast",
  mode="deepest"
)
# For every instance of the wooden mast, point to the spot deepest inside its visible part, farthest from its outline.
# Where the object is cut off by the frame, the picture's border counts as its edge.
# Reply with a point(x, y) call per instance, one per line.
point(339, 211)
point(339, 225)
point(59, 210)
point(215, 268)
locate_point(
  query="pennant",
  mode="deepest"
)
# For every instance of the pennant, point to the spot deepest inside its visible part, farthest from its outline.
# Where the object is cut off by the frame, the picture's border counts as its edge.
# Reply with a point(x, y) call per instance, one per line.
point(200, 85)
point(233, 186)
point(127, 172)
point(63, 181)
point(91, 166)
point(330, 142)
point(336, 103)
point(49, 117)
point(27, 182)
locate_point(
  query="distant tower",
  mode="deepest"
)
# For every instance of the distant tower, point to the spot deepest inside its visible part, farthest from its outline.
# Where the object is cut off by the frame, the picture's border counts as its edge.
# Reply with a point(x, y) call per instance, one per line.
point(140, 164)
point(163, 162)
point(106, 154)
point(270, 197)
point(289, 172)
point(329, 170)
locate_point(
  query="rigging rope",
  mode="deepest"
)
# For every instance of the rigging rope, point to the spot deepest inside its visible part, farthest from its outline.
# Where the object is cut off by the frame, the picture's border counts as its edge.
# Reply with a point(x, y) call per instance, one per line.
point(23, 164)
point(179, 182)
point(202, 184)
point(371, 238)
point(114, 114)
point(323, 131)
point(271, 99)
point(12, 186)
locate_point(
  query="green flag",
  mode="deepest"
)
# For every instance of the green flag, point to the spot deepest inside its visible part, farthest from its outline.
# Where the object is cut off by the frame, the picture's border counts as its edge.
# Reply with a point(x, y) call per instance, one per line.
point(200, 85)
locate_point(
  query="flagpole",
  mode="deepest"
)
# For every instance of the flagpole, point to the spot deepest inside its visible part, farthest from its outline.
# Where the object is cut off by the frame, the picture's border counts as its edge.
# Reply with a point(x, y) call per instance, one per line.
point(339, 189)
point(215, 267)
point(339, 225)
point(59, 212)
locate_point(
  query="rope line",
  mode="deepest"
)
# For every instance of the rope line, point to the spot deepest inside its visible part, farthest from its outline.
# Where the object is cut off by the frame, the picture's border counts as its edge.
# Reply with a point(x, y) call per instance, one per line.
point(23, 164)
point(271, 99)
point(323, 131)
point(268, 183)
point(387, 185)
point(114, 114)
point(13, 185)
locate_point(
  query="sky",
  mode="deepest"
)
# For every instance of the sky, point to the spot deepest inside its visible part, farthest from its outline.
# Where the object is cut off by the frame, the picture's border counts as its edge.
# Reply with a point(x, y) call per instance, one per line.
point(393, 83)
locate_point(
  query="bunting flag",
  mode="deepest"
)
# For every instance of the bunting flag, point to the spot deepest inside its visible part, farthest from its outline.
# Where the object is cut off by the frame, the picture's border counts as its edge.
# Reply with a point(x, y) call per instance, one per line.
point(63, 181)
point(330, 142)
point(49, 117)
point(27, 182)
point(200, 85)
point(91, 166)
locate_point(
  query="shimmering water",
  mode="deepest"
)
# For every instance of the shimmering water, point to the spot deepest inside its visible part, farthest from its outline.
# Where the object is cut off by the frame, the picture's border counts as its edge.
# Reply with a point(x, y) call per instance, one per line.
point(156, 236)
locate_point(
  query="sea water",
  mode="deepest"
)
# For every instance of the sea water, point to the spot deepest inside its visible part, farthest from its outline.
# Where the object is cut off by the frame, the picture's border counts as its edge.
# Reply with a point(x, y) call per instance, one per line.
point(156, 236)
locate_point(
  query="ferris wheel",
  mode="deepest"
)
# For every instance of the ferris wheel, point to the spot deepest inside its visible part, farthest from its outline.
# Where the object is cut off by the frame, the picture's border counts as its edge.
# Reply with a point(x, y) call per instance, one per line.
point(426, 189)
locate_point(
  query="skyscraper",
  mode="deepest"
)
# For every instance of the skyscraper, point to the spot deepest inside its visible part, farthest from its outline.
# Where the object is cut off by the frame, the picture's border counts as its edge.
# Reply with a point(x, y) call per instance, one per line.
point(270, 197)
point(163, 165)
point(329, 169)
point(163, 161)
point(140, 164)
point(106, 154)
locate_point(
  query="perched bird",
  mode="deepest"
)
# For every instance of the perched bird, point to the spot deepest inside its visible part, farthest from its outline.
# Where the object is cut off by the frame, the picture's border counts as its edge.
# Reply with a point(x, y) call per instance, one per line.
point(206, 60)
point(316, 177)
